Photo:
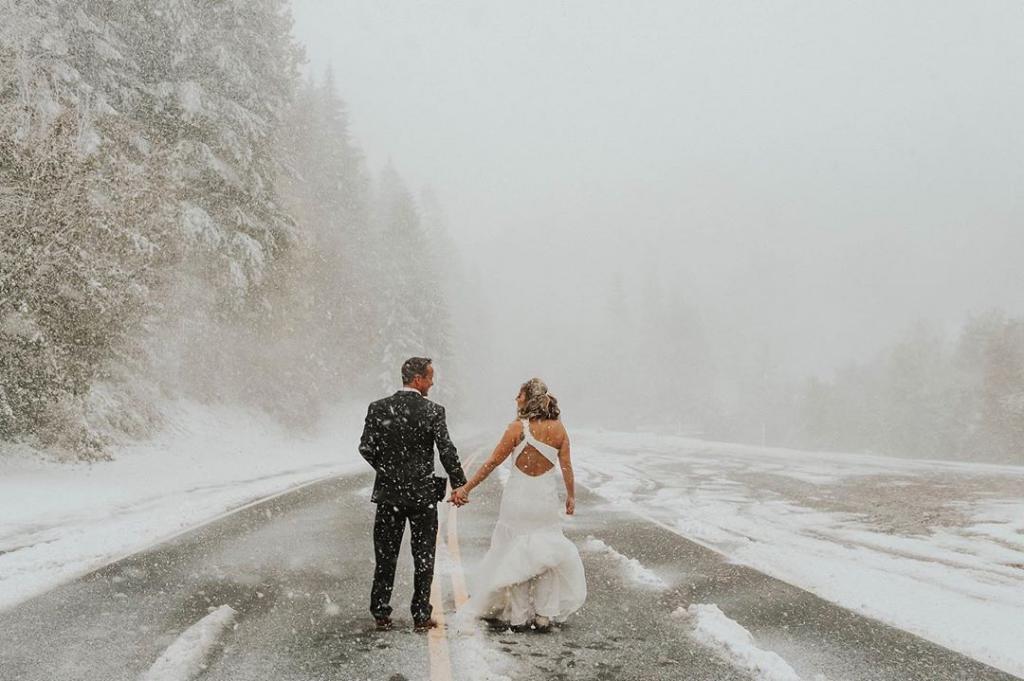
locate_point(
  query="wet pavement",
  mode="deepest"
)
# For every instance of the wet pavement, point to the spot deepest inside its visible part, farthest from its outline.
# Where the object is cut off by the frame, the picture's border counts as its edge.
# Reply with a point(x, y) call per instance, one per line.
point(298, 568)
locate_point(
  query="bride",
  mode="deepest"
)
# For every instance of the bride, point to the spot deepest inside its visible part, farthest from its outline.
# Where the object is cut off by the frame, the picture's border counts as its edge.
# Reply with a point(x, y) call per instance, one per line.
point(532, 574)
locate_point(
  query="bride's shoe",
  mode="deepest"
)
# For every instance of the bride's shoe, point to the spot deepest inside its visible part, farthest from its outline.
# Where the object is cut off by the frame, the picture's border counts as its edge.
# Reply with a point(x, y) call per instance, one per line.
point(495, 624)
point(541, 625)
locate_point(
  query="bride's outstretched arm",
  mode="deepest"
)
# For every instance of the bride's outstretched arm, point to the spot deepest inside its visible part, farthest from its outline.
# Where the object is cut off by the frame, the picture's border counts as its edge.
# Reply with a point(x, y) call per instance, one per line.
point(565, 461)
point(501, 451)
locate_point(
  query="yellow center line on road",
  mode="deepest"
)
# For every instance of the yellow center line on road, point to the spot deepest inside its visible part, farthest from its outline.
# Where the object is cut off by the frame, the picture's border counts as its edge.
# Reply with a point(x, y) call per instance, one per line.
point(437, 639)
point(459, 592)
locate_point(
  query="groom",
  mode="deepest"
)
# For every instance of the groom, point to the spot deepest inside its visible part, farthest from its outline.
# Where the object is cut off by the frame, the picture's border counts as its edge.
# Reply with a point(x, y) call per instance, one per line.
point(398, 441)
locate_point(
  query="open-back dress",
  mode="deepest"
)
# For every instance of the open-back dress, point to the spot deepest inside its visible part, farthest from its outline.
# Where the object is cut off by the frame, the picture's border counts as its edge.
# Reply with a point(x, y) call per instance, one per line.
point(531, 569)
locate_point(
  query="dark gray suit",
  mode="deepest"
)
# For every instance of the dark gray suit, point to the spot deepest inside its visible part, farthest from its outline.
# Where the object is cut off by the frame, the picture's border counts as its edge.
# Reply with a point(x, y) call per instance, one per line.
point(398, 440)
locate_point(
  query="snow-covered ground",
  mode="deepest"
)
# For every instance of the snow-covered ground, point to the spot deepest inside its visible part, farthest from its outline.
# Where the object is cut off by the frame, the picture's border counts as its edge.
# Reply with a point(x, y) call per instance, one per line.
point(59, 521)
point(934, 548)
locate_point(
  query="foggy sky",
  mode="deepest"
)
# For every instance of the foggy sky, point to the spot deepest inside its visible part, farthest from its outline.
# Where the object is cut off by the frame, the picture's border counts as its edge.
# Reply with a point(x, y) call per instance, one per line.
point(814, 177)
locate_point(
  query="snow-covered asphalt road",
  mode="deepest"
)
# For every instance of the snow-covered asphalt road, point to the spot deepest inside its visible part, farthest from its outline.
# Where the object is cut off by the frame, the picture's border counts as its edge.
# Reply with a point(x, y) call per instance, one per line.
point(295, 573)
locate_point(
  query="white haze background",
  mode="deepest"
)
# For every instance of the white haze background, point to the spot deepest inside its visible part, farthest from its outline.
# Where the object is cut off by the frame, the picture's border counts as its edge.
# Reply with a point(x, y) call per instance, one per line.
point(812, 178)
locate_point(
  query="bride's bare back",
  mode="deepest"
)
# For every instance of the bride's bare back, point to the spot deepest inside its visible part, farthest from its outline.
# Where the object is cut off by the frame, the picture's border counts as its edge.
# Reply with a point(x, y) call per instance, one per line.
point(530, 461)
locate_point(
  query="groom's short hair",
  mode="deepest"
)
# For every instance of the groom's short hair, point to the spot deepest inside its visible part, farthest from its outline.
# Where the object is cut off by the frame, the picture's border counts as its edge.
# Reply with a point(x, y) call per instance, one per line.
point(413, 367)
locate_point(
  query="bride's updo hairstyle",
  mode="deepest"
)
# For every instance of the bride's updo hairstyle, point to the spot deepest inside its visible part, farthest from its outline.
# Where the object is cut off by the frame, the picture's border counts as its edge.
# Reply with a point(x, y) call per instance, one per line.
point(539, 404)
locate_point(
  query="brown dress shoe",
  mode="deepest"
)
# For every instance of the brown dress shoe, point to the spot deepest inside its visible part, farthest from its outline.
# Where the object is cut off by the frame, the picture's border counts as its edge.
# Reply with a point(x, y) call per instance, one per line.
point(384, 624)
point(425, 625)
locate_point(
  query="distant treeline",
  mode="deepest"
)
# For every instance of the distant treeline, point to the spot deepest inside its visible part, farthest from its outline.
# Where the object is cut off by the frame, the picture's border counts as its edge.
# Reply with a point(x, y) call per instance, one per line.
point(183, 214)
point(925, 396)
point(928, 396)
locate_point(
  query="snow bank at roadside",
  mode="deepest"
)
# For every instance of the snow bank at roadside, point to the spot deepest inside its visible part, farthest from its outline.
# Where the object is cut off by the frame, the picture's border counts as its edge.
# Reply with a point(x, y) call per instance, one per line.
point(636, 571)
point(710, 627)
point(59, 521)
point(186, 658)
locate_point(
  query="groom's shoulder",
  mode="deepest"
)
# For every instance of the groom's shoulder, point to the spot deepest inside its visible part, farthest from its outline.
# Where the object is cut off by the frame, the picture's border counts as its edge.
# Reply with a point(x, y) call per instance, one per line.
point(403, 399)
point(382, 403)
point(433, 406)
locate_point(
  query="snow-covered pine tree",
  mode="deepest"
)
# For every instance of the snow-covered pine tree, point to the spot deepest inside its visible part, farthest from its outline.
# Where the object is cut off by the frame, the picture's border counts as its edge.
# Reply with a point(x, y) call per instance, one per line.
point(84, 233)
point(414, 319)
point(1001, 417)
point(443, 265)
point(216, 80)
point(144, 230)
point(136, 138)
point(323, 317)
point(341, 195)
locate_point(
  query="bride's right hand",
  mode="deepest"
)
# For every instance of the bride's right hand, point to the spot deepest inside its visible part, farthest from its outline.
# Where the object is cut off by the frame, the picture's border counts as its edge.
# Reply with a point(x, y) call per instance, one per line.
point(570, 505)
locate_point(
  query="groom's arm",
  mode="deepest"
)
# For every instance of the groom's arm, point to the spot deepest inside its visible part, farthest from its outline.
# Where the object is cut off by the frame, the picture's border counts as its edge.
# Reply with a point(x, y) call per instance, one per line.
point(449, 455)
point(369, 443)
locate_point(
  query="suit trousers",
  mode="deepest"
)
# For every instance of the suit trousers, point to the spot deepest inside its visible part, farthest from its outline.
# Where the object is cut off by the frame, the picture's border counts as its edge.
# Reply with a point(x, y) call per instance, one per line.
point(388, 529)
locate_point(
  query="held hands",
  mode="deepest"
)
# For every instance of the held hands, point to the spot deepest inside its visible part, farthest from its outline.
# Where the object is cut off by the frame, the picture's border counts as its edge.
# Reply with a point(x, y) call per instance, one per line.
point(459, 497)
point(570, 505)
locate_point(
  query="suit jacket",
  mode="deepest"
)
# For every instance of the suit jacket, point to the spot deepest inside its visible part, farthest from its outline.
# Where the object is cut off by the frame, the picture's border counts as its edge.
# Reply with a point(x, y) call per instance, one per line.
point(398, 441)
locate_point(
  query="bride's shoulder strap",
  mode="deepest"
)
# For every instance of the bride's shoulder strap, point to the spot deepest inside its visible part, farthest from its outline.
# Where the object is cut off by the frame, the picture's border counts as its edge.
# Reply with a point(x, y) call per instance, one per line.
point(512, 429)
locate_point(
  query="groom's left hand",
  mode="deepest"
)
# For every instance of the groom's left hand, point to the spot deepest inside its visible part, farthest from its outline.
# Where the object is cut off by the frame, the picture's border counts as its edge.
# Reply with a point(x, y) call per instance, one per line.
point(459, 497)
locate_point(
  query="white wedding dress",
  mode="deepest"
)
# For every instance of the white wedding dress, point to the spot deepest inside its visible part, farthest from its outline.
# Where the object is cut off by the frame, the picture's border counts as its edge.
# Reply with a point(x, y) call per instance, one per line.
point(532, 569)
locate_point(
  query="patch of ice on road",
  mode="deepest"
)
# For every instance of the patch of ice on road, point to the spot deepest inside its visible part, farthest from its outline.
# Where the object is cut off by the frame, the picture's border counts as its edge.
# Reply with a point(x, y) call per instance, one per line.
point(634, 569)
point(711, 628)
point(187, 657)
